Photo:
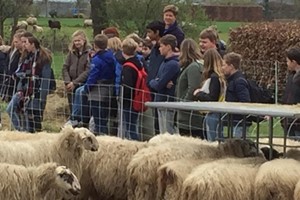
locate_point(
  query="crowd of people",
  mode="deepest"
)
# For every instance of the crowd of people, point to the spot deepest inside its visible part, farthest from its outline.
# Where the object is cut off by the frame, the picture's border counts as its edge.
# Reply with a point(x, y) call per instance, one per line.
point(178, 69)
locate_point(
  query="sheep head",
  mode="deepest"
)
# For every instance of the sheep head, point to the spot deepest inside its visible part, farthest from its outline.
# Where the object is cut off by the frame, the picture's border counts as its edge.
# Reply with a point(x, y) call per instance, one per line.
point(66, 181)
point(239, 148)
point(89, 140)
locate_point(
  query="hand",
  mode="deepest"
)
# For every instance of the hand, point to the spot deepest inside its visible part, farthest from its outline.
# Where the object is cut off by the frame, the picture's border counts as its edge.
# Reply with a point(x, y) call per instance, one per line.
point(70, 86)
point(170, 84)
point(267, 117)
point(197, 91)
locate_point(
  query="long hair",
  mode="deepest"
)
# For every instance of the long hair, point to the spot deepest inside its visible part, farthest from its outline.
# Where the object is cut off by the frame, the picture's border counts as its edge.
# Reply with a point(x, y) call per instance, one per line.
point(84, 37)
point(189, 52)
point(213, 63)
point(115, 44)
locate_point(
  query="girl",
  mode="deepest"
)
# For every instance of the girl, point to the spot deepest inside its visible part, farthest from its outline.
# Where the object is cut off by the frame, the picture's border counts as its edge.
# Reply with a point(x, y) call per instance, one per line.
point(189, 123)
point(216, 89)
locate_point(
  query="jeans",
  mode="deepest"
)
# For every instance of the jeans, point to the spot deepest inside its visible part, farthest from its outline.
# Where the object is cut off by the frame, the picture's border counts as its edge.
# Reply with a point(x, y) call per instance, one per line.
point(166, 121)
point(100, 113)
point(80, 107)
point(14, 113)
point(212, 125)
point(131, 124)
point(238, 131)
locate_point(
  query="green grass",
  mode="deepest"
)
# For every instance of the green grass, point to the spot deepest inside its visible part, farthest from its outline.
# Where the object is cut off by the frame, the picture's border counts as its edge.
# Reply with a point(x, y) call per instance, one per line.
point(224, 28)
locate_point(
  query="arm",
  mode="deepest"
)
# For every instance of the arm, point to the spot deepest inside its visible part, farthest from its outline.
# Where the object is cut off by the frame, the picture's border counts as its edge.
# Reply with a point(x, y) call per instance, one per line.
point(214, 91)
point(94, 73)
point(194, 81)
point(242, 90)
point(83, 76)
point(66, 68)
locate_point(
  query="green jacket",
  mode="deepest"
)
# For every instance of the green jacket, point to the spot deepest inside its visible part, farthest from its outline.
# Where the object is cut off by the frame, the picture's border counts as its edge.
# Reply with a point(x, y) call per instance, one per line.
point(189, 80)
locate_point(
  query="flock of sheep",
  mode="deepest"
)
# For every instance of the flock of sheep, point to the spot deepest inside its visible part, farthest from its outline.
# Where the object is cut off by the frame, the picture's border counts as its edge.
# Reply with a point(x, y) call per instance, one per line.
point(75, 164)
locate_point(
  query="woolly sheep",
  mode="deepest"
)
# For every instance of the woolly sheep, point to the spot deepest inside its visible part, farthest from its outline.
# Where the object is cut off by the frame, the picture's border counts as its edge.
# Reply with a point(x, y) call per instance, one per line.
point(171, 176)
point(277, 179)
point(88, 22)
point(18, 182)
point(225, 179)
point(280, 141)
point(142, 170)
point(38, 29)
point(297, 191)
point(31, 21)
point(22, 25)
point(104, 172)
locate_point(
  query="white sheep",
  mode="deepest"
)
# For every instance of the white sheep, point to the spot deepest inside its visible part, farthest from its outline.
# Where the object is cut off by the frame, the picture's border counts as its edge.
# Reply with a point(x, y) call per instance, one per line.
point(18, 182)
point(280, 141)
point(225, 179)
point(22, 25)
point(277, 179)
point(88, 22)
point(297, 191)
point(142, 170)
point(66, 149)
point(31, 21)
point(104, 172)
point(37, 28)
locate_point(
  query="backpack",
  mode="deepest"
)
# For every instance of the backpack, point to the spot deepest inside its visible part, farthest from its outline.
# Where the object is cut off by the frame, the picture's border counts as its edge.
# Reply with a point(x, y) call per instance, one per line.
point(141, 93)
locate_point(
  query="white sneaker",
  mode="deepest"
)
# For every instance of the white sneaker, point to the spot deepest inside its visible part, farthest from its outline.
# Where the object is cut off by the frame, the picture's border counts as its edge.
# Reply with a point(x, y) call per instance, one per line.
point(72, 123)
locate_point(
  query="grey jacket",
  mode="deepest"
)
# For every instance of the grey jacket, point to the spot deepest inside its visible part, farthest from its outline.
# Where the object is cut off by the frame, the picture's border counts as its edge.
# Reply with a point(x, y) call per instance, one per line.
point(188, 81)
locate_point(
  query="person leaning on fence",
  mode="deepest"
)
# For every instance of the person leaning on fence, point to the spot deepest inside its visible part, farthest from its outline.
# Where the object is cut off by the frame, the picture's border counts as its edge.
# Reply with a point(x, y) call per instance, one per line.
point(171, 26)
point(292, 88)
point(213, 89)
point(189, 122)
point(30, 99)
point(129, 78)
point(155, 31)
point(165, 82)
point(76, 67)
point(99, 85)
point(237, 89)
point(208, 39)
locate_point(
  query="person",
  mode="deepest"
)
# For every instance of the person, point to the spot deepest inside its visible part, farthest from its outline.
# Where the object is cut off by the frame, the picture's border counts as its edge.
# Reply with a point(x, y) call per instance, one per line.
point(216, 90)
point(111, 32)
point(171, 26)
point(146, 46)
point(165, 82)
point(189, 123)
point(76, 67)
point(237, 89)
point(291, 93)
point(99, 85)
point(155, 31)
point(208, 39)
point(129, 78)
point(30, 99)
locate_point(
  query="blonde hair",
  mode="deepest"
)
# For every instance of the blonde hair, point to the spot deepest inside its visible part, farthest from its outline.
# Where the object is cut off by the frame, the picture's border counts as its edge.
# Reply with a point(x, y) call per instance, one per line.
point(114, 44)
point(189, 52)
point(129, 46)
point(135, 37)
point(213, 63)
point(84, 37)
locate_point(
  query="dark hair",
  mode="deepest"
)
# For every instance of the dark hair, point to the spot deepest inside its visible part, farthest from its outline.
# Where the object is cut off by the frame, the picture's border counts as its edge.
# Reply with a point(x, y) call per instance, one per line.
point(101, 41)
point(157, 26)
point(233, 59)
point(169, 40)
point(27, 34)
point(147, 43)
point(293, 53)
point(111, 32)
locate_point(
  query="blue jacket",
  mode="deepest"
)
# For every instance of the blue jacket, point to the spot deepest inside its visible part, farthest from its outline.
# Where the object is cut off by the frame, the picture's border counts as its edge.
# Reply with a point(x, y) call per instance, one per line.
point(102, 71)
point(168, 71)
point(175, 30)
point(155, 60)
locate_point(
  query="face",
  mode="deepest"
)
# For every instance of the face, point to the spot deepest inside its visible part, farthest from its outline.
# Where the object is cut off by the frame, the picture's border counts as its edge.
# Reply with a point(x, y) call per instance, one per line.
point(227, 69)
point(146, 51)
point(151, 34)
point(28, 46)
point(17, 43)
point(206, 44)
point(67, 182)
point(291, 64)
point(78, 42)
point(169, 18)
point(164, 49)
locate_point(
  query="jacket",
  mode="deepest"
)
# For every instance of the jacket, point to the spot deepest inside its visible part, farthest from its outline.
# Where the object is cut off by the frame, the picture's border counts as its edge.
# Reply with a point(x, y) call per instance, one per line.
point(129, 78)
point(175, 30)
point(76, 67)
point(189, 80)
point(100, 81)
point(168, 71)
point(155, 60)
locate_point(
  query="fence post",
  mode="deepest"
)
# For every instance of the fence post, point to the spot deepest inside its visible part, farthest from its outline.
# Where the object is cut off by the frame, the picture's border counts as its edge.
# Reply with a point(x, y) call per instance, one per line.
point(120, 110)
point(276, 81)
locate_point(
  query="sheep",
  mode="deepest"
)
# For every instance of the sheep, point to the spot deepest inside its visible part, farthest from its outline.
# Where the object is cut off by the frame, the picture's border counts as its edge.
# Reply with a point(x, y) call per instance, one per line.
point(297, 191)
point(22, 25)
point(87, 23)
point(31, 21)
point(104, 172)
point(38, 29)
point(18, 182)
point(226, 179)
point(277, 179)
point(54, 24)
point(142, 170)
point(280, 141)
point(171, 176)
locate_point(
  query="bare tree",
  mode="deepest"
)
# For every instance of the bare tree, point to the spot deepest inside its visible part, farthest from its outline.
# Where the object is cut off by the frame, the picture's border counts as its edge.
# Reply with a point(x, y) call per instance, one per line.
point(99, 15)
point(12, 8)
